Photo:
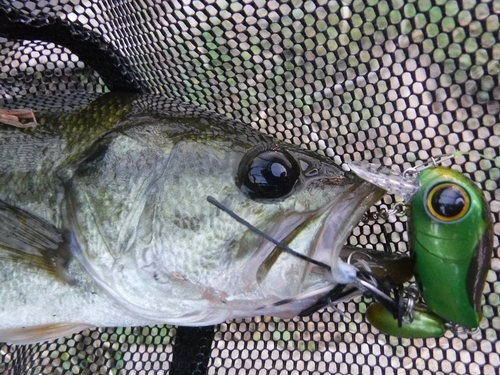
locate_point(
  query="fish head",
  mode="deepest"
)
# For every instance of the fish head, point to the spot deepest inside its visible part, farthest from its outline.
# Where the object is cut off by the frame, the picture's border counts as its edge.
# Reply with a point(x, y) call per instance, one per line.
point(137, 210)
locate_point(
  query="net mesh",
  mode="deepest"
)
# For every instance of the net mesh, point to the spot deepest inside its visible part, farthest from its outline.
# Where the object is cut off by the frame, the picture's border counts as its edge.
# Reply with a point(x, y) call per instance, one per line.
point(395, 81)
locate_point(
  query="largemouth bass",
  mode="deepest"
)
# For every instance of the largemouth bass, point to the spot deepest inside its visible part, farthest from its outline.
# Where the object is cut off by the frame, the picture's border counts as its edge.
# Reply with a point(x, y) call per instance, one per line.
point(104, 221)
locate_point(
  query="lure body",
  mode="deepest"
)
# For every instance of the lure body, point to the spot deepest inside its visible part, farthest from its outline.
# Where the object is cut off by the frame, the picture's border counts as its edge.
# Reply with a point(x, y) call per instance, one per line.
point(451, 244)
point(451, 241)
point(425, 324)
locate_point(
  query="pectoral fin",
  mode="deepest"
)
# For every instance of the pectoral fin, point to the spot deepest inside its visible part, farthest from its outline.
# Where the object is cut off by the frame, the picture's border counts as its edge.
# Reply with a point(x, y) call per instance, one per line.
point(27, 238)
point(34, 334)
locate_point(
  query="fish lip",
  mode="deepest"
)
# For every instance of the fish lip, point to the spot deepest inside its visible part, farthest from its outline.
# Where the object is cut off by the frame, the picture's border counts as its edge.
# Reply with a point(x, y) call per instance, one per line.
point(342, 216)
point(335, 224)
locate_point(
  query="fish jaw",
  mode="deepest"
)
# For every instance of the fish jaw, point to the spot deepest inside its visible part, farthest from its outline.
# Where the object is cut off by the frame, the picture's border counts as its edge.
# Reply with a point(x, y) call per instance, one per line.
point(343, 216)
point(323, 233)
point(321, 236)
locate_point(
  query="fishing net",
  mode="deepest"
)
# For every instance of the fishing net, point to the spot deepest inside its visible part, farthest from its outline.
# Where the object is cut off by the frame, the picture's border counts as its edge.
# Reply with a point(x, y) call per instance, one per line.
point(394, 81)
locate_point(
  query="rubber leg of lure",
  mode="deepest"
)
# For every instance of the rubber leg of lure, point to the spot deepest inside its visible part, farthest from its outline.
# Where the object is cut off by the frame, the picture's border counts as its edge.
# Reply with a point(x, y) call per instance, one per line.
point(425, 324)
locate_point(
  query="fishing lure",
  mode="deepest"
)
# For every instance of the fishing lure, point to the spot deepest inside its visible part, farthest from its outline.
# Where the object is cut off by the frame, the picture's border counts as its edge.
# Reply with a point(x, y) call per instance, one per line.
point(451, 244)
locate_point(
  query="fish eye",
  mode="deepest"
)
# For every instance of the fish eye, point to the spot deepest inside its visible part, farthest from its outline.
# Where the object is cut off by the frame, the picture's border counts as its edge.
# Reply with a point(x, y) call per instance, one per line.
point(448, 202)
point(269, 174)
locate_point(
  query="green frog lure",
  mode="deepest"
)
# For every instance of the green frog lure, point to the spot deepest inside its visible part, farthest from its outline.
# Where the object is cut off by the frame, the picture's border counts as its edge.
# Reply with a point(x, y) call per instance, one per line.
point(451, 244)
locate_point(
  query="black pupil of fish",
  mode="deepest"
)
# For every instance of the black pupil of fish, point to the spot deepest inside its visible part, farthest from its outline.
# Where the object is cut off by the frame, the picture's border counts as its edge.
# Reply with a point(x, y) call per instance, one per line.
point(270, 175)
point(448, 201)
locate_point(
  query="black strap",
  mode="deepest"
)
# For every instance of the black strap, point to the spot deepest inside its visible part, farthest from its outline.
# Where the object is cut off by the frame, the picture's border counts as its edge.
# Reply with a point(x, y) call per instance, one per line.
point(192, 349)
point(88, 45)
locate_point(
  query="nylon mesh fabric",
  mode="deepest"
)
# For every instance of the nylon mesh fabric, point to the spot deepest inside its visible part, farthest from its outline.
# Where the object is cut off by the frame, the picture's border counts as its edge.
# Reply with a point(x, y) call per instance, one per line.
point(394, 81)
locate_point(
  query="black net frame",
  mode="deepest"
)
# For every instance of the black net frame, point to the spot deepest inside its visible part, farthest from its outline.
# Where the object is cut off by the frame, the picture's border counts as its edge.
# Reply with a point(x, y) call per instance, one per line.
point(394, 81)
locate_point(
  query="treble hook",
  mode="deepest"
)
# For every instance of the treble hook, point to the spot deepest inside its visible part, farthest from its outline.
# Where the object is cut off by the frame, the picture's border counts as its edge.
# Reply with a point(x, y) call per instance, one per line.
point(432, 162)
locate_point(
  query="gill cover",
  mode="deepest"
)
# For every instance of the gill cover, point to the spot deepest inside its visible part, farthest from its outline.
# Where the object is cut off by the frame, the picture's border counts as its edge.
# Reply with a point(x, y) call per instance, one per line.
point(451, 240)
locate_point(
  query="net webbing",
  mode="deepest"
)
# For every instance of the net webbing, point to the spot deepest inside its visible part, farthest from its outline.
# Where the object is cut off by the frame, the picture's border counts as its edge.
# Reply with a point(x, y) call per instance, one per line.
point(394, 81)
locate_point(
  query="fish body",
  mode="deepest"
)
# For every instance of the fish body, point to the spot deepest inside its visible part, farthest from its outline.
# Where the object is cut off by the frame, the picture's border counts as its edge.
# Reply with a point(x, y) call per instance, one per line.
point(104, 221)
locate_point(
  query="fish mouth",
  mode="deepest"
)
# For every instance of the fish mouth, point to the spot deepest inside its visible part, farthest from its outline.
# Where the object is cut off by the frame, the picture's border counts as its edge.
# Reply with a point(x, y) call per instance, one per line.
point(342, 216)
point(329, 228)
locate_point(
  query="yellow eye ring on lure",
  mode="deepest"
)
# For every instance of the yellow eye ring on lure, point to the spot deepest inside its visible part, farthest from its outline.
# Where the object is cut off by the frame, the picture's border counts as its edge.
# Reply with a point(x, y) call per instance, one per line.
point(447, 202)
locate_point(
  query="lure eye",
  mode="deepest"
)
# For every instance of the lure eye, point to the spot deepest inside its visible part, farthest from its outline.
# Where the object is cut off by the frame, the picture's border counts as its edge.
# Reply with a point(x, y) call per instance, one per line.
point(448, 202)
point(270, 174)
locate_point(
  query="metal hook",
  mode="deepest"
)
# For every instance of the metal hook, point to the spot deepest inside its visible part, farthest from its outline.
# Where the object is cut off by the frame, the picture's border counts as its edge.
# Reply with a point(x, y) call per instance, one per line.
point(343, 314)
point(357, 252)
point(365, 285)
point(399, 209)
point(412, 295)
point(433, 162)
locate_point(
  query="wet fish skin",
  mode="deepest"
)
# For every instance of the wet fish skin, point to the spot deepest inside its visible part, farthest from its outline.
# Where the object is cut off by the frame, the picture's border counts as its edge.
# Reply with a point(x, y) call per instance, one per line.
point(125, 186)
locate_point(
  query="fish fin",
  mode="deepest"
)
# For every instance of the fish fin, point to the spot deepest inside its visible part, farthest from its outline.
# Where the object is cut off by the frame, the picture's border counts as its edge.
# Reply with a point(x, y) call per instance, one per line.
point(27, 238)
point(44, 332)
